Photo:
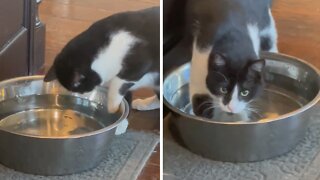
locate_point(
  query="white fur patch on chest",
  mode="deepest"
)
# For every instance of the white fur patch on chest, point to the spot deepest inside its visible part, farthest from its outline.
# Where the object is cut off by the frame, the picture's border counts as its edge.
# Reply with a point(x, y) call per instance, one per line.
point(108, 62)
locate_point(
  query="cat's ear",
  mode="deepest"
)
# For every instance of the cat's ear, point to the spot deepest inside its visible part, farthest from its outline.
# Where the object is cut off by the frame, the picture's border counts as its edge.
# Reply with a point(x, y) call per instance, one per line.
point(217, 60)
point(257, 65)
point(51, 75)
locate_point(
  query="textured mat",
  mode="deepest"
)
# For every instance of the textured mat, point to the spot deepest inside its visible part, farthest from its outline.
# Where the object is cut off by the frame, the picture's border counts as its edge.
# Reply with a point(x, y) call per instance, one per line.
point(302, 163)
point(125, 160)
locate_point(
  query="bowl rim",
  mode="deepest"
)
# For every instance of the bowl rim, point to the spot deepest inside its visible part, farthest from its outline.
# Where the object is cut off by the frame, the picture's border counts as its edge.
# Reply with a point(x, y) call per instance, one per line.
point(124, 115)
point(265, 55)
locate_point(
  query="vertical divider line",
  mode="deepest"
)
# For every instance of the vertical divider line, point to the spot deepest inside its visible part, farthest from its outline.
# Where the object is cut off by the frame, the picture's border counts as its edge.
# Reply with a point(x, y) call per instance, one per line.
point(161, 89)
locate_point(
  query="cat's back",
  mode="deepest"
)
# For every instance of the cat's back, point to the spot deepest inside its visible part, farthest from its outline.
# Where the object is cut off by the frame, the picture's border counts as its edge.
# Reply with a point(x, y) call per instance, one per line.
point(226, 11)
point(144, 24)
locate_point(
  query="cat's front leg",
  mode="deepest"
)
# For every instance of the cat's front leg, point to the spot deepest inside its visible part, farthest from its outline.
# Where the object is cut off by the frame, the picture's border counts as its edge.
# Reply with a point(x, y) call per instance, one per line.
point(198, 92)
point(117, 90)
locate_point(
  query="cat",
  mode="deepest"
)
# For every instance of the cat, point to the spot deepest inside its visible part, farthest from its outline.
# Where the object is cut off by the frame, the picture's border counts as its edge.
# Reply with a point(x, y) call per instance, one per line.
point(226, 69)
point(121, 52)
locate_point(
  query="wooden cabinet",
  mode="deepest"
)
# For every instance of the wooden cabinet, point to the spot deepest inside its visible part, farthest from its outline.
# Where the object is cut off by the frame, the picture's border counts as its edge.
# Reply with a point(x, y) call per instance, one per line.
point(21, 38)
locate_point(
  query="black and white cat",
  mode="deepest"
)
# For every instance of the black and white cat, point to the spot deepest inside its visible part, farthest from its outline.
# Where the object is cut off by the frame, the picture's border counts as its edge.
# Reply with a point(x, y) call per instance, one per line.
point(227, 38)
point(121, 51)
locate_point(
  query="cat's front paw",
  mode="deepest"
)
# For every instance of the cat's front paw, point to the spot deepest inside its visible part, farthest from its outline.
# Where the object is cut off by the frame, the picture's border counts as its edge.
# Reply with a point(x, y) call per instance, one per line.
point(147, 104)
point(138, 104)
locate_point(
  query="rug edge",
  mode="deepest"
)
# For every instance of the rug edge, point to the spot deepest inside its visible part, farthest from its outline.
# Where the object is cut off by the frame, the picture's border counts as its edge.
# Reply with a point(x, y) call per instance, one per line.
point(134, 174)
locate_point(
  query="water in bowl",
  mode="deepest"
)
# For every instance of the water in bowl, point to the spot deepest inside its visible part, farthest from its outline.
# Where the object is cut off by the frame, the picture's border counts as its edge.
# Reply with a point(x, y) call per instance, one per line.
point(272, 103)
point(53, 115)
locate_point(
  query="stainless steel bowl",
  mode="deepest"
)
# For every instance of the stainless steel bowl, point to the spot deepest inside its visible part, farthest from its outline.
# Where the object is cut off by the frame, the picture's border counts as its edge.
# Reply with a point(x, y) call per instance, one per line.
point(47, 130)
point(292, 89)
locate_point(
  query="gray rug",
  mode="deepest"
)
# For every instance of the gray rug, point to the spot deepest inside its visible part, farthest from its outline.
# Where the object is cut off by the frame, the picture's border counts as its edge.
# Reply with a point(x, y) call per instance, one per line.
point(302, 163)
point(125, 160)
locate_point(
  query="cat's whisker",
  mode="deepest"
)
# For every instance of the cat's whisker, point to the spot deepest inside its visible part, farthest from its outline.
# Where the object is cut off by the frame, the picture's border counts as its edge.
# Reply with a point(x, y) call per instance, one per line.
point(254, 111)
point(212, 107)
point(205, 103)
point(254, 106)
point(252, 101)
point(216, 103)
point(209, 108)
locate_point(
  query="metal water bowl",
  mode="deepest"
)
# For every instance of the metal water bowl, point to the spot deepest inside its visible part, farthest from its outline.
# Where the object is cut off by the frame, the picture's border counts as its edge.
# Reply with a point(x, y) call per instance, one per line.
point(292, 89)
point(47, 130)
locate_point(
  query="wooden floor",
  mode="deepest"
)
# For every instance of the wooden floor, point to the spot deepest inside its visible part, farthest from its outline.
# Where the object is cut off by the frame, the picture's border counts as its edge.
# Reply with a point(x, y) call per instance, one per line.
point(298, 24)
point(65, 19)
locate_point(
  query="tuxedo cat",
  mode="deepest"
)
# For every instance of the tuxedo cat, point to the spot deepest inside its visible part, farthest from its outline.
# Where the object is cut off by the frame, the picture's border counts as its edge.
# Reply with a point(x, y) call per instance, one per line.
point(121, 51)
point(226, 70)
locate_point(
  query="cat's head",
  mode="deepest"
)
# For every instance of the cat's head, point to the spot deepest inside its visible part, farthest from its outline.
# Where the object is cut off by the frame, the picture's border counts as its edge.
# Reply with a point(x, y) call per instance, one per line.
point(74, 74)
point(233, 88)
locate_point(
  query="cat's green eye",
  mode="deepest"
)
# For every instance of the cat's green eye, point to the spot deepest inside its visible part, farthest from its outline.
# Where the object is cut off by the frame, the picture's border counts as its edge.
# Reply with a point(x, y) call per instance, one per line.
point(244, 93)
point(223, 90)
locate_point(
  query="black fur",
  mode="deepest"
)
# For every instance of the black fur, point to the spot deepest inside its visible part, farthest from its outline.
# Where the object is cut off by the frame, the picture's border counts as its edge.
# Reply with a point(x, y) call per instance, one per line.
point(265, 44)
point(222, 25)
point(128, 97)
point(200, 105)
point(76, 57)
point(125, 87)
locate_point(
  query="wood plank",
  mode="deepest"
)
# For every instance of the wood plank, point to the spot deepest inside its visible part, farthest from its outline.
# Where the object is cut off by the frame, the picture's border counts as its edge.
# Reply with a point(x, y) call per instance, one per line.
point(298, 24)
